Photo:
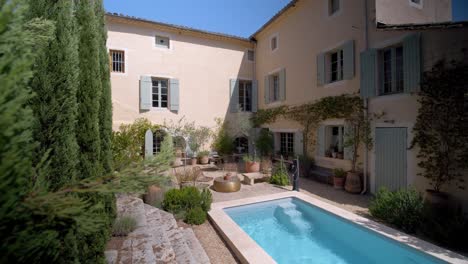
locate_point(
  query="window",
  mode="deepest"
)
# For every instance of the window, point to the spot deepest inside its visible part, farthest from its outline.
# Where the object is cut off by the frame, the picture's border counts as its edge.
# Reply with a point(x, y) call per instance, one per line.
point(158, 138)
point(274, 87)
point(117, 58)
point(287, 143)
point(162, 42)
point(274, 43)
point(241, 144)
point(333, 7)
point(416, 3)
point(160, 92)
point(245, 96)
point(334, 140)
point(391, 70)
point(250, 55)
point(336, 66)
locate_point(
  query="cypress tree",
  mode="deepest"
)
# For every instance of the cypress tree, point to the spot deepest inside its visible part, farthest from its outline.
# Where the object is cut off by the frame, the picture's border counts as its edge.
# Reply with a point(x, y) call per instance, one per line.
point(55, 83)
point(105, 106)
point(89, 91)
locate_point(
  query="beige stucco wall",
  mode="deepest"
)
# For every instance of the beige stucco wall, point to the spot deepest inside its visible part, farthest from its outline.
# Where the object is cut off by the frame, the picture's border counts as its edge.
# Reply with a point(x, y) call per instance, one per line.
point(203, 66)
point(405, 12)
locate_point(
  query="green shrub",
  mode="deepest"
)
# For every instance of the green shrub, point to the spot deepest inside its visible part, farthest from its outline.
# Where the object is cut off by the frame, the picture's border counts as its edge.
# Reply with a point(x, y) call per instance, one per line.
point(206, 200)
point(339, 173)
point(280, 175)
point(173, 201)
point(203, 153)
point(403, 208)
point(222, 143)
point(195, 216)
point(182, 201)
point(123, 226)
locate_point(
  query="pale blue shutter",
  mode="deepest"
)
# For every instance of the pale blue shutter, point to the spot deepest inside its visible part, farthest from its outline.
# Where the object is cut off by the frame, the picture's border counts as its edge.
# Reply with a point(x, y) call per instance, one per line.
point(321, 69)
point(148, 144)
point(174, 95)
point(368, 73)
point(282, 84)
point(348, 62)
point(412, 63)
point(254, 96)
point(347, 150)
point(267, 89)
point(298, 143)
point(391, 158)
point(146, 85)
point(320, 146)
point(234, 95)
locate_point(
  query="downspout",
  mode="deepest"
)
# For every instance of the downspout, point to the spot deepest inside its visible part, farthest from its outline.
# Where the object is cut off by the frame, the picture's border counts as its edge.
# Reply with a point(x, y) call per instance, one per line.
point(366, 103)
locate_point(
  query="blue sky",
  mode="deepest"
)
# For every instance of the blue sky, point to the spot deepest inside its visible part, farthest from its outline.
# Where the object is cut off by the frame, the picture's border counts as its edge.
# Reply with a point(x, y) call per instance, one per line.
point(235, 17)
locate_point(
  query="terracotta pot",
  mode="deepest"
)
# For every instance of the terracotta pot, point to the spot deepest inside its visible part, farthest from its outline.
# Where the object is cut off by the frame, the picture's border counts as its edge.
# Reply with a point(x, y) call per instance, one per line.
point(353, 182)
point(193, 161)
point(204, 160)
point(177, 162)
point(251, 166)
point(437, 199)
point(338, 183)
point(153, 195)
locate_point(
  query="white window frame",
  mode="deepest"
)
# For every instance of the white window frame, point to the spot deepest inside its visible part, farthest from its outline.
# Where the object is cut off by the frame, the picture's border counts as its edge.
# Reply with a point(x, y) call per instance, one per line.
point(158, 138)
point(289, 144)
point(339, 66)
point(341, 141)
point(159, 107)
point(156, 36)
point(253, 54)
point(413, 4)
point(244, 96)
point(276, 35)
point(393, 73)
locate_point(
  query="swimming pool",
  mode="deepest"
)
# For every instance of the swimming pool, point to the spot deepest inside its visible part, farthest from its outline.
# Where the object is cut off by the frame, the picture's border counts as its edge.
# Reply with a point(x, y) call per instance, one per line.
point(292, 227)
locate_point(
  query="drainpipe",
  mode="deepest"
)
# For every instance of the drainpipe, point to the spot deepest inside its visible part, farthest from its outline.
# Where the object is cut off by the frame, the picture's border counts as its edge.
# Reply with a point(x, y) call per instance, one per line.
point(366, 103)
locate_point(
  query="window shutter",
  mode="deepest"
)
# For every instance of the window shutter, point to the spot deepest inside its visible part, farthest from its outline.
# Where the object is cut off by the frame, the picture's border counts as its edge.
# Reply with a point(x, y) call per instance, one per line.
point(148, 144)
point(298, 143)
point(174, 95)
point(282, 84)
point(321, 69)
point(267, 89)
point(368, 73)
point(145, 92)
point(254, 96)
point(348, 60)
point(276, 142)
point(348, 150)
point(412, 63)
point(234, 96)
point(320, 148)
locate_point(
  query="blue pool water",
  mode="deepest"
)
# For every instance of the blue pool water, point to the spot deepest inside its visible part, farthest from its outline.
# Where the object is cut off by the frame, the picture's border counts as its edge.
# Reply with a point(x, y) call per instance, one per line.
point(293, 231)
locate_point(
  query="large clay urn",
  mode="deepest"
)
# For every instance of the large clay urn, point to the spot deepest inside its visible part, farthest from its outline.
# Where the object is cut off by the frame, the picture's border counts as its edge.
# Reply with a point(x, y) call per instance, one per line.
point(353, 182)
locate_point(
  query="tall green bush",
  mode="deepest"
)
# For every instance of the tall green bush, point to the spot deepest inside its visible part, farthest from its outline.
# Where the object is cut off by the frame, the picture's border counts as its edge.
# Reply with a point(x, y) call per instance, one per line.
point(223, 143)
point(105, 104)
point(89, 91)
point(55, 83)
point(264, 143)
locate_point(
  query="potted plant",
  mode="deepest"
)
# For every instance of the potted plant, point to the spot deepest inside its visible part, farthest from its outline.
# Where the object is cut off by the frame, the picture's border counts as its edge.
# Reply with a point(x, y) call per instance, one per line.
point(359, 132)
point(338, 178)
point(203, 157)
point(440, 129)
point(197, 137)
point(251, 164)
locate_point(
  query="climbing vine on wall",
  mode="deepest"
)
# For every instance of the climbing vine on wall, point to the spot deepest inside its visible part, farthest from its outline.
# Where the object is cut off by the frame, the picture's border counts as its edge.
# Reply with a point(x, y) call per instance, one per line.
point(348, 107)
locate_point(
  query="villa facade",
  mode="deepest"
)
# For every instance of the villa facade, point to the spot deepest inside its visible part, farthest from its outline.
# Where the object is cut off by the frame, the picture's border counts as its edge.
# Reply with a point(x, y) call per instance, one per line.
point(309, 50)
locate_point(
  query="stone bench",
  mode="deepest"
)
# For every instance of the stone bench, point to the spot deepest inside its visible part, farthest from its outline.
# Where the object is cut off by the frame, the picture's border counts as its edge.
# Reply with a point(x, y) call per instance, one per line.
point(253, 177)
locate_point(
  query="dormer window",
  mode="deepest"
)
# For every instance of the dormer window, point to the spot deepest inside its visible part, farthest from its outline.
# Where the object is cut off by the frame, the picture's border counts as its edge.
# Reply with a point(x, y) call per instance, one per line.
point(416, 3)
point(333, 7)
point(274, 43)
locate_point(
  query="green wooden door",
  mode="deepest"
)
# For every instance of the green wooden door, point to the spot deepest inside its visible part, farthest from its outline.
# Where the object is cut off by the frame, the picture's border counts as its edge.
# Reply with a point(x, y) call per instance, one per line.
point(390, 157)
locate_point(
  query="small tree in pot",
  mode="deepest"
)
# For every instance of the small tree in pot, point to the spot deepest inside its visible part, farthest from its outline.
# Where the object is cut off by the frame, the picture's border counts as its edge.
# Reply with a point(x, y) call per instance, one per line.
point(197, 137)
point(441, 128)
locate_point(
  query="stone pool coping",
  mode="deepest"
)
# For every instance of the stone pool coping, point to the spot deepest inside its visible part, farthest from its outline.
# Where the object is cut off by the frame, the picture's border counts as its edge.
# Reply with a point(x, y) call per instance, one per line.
point(248, 251)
